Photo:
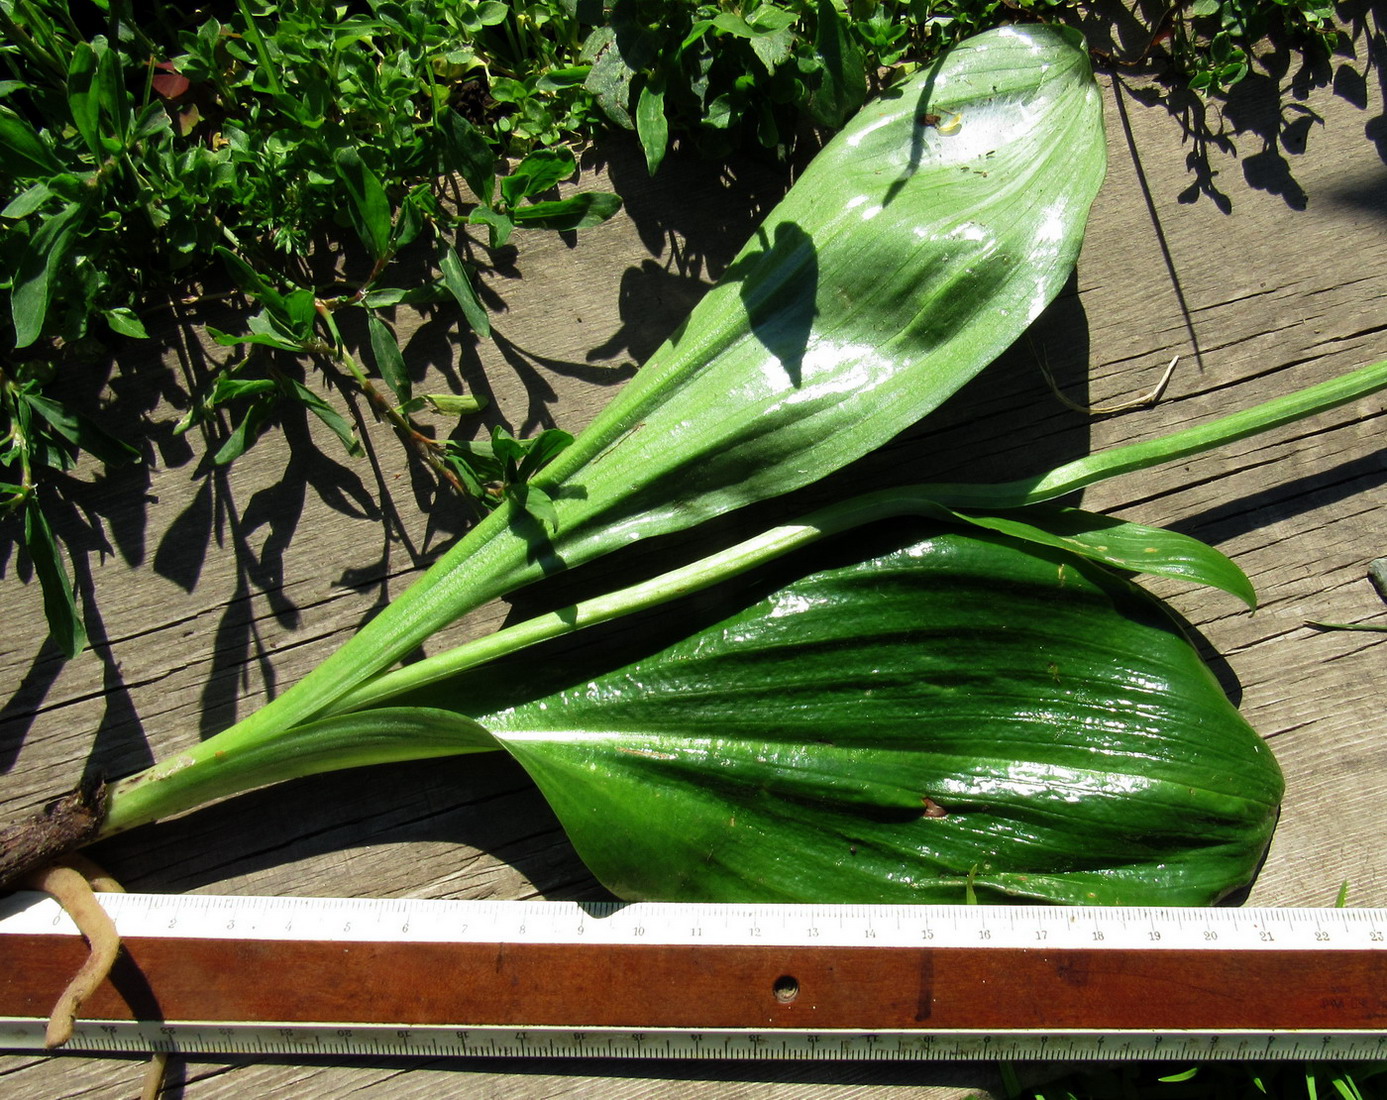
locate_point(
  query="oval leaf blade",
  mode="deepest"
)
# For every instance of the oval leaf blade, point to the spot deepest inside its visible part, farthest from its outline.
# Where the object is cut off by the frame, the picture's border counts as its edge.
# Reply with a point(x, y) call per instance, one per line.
point(962, 716)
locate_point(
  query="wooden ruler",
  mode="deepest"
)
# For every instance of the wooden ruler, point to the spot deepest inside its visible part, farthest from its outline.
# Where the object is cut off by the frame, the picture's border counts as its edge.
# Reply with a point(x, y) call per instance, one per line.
point(354, 976)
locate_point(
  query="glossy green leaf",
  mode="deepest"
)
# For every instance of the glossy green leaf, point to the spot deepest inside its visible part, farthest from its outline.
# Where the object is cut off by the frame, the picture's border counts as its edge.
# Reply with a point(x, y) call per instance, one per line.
point(537, 173)
point(903, 261)
point(1134, 546)
point(961, 712)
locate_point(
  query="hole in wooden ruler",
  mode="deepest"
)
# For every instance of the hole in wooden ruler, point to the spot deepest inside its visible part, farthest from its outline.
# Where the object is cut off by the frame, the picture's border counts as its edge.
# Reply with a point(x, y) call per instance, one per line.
point(786, 989)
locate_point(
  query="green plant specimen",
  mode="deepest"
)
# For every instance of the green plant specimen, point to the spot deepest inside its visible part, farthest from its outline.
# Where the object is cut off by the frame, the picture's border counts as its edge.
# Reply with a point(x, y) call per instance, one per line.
point(913, 251)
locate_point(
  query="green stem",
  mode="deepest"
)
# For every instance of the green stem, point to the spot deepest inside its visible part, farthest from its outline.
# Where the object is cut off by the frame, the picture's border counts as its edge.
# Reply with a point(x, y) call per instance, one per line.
point(1083, 472)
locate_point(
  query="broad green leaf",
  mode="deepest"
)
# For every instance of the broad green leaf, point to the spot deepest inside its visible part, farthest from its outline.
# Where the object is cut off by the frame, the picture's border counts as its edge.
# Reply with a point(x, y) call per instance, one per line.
point(609, 78)
point(538, 172)
point(903, 261)
point(468, 153)
point(59, 603)
point(962, 712)
point(536, 502)
point(126, 322)
point(499, 225)
point(542, 450)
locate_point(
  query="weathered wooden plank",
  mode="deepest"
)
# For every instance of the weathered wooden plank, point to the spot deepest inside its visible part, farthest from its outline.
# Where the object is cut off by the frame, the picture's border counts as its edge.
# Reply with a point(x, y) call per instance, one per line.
point(1255, 253)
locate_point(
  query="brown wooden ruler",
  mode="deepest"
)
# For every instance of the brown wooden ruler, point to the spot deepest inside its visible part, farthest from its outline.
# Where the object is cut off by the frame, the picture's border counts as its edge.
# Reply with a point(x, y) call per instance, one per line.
point(356, 976)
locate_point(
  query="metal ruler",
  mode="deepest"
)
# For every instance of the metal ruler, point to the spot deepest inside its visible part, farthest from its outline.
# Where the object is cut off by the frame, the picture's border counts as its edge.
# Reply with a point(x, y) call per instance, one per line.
point(348, 977)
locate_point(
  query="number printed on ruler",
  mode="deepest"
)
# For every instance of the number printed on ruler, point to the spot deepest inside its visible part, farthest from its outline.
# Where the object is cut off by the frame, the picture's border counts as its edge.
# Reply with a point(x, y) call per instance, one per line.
point(424, 921)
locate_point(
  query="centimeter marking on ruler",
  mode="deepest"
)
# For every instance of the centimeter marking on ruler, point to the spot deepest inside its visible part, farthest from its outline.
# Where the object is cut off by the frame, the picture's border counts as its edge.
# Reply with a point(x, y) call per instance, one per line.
point(992, 944)
point(433, 921)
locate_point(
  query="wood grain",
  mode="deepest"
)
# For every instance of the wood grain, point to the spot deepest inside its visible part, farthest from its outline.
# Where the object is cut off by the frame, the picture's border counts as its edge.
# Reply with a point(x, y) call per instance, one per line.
point(1250, 240)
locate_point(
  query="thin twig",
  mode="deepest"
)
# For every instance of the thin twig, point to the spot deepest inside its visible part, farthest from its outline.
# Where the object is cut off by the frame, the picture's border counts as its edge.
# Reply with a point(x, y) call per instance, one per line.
point(1150, 397)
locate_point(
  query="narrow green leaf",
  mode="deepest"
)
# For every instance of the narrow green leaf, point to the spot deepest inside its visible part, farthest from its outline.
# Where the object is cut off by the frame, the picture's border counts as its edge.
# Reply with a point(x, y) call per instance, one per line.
point(28, 200)
point(652, 128)
point(580, 211)
point(389, 362)
point(346, 741)
point(228, 389)
point(250, 282)
point(114, 100)
point(338, 424)
point(84, 97)
point(370, 206)
point(386, 297)
point(843, 78)
point(247, 431)
point(79, 430)
point(451, 404)
point(266, 339)
point(1115, 542)
point(459, 284)
point(26, 155)
point(44, 254)
point(59, 603)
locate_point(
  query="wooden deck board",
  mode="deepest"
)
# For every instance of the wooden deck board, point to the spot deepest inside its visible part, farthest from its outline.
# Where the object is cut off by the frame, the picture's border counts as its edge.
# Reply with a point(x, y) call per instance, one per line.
point(213, 590)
